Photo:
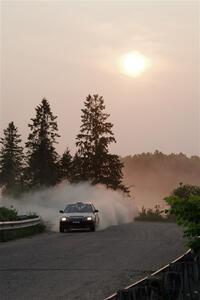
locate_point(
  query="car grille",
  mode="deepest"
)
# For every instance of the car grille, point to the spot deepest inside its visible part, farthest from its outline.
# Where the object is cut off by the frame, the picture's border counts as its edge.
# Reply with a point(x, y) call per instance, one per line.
point(78, 218)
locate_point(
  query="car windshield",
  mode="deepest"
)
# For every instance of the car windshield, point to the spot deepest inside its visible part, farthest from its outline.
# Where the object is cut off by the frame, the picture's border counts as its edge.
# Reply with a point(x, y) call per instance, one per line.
point(74, 208)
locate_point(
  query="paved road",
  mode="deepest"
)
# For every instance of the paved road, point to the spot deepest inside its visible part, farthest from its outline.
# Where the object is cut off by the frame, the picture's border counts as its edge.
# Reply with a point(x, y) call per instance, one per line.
point(85, 265)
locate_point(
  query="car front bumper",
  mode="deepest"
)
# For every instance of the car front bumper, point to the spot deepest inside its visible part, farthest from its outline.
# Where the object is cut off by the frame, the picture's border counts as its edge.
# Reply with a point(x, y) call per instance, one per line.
point(77, 224)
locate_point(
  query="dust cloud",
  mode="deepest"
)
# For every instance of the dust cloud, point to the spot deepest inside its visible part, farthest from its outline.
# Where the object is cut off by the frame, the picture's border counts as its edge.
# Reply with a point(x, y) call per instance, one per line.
point(114, 208)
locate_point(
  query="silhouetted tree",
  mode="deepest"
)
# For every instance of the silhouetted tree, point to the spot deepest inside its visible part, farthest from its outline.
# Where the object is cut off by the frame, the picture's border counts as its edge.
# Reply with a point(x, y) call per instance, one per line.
point(43, 166)
point(77, 172)
point(66, 166)
point(92, 161)
point(11, 161)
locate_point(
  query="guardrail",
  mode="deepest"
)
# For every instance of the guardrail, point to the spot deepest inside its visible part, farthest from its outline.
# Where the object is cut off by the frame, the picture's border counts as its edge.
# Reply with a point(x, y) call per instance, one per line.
point(179, 280)
point(19, 224)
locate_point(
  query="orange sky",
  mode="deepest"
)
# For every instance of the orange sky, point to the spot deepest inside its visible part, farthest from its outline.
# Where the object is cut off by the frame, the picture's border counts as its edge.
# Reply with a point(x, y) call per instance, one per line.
point(64, 50)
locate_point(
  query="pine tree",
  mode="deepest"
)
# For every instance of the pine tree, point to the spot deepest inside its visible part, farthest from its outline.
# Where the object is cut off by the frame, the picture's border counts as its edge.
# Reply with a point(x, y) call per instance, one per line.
point(95, 163)
point(11, 161)
point(43, 160)
point(78, 170)
point(66, 165)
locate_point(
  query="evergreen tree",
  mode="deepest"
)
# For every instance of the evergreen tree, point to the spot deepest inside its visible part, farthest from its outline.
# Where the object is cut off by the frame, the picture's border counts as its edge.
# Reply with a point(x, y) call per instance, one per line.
point(78, 169)
point(11, 161)
point(66, 165)
point(43, 160)
point(93, 161)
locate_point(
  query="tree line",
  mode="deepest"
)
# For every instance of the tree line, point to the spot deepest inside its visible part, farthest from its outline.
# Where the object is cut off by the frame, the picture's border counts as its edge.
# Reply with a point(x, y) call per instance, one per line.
point(152, 176)
point(38, 165)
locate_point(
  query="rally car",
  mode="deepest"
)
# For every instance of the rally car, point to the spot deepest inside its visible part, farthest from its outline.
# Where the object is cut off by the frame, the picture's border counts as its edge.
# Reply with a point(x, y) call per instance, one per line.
point(79, 216)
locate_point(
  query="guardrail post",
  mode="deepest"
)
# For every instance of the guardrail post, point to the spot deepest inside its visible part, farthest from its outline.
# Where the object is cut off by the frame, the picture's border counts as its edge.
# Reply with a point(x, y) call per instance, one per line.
point(2, 236)
point(124, 295)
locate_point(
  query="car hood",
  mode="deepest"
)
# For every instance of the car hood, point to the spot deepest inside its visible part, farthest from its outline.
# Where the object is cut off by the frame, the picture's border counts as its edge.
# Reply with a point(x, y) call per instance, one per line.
point(81, 214)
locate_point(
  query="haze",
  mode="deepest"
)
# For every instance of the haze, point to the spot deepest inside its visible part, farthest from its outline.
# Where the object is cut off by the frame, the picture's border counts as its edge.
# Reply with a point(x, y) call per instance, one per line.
point(64, 50)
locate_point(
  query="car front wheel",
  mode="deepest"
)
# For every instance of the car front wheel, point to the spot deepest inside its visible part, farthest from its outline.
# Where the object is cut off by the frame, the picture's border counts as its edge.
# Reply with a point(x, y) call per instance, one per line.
point(92, 228)
point(61, 228)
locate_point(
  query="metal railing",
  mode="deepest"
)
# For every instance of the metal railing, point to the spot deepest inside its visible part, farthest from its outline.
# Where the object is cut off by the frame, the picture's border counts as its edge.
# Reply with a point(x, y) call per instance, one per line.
point(179, 280)
point(9, 225)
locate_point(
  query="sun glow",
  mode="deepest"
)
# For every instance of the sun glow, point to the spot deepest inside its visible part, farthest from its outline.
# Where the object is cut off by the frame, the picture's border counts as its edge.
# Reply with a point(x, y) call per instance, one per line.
point(134, 64)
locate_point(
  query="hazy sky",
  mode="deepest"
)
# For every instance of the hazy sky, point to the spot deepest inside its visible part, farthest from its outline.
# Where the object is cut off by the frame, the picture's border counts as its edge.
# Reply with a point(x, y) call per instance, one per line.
point(64, 50)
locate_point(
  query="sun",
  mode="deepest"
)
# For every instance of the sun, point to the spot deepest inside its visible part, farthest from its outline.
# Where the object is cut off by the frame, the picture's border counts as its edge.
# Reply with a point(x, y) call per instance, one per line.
point(134, 64)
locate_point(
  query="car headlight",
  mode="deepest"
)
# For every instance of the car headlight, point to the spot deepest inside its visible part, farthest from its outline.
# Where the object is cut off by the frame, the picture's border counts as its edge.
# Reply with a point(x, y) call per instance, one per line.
point(63, 219)
point(89, 218)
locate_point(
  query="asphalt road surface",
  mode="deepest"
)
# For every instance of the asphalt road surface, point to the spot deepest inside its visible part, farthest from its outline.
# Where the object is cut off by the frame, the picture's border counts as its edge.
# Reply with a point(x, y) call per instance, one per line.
point(85, 265)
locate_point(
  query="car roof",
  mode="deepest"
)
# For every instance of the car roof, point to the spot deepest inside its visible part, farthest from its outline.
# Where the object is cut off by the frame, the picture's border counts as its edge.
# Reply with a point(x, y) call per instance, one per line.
point(80, 203)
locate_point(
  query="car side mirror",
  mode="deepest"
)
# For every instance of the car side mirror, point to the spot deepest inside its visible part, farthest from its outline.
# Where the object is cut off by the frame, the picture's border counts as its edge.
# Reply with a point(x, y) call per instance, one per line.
point(96, 211)
point(61, 211)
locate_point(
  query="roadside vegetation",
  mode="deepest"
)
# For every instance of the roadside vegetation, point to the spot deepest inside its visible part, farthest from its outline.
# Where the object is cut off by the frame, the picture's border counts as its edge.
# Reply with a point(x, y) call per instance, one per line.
point(155, 214)
point(10, 214)
point(184, 203)
point(8, 235)
point(184, 209)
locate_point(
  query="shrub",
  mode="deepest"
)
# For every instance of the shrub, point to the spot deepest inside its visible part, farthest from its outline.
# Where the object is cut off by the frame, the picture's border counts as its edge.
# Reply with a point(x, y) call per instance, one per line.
point(8, 214)
point(185, 205)
point(154, 215)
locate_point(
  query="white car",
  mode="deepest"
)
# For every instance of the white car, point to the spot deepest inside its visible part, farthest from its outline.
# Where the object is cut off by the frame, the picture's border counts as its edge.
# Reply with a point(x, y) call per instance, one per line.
point(79, 216)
